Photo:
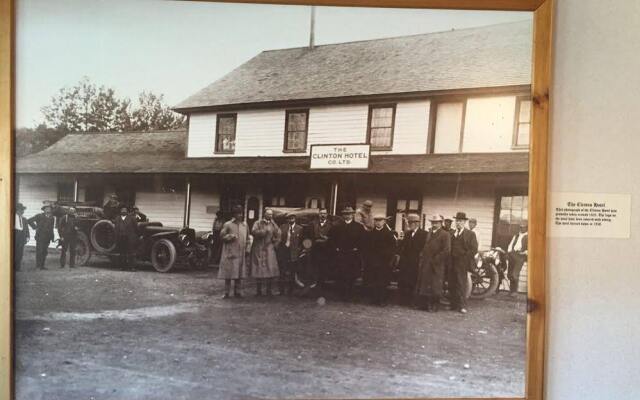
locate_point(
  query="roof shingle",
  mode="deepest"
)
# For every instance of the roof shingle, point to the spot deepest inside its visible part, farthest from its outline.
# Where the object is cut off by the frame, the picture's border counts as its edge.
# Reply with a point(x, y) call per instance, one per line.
point(484, 57)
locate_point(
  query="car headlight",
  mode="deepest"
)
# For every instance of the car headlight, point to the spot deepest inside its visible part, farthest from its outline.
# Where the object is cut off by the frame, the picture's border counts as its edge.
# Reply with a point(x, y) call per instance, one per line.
point(184, 239)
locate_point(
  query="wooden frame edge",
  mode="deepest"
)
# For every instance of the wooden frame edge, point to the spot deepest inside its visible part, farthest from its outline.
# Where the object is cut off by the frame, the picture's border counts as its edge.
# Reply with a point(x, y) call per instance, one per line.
point(541, 83)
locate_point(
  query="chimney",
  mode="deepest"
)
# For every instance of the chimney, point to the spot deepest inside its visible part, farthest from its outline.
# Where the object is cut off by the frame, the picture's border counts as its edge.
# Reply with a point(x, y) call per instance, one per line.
point(312, 28)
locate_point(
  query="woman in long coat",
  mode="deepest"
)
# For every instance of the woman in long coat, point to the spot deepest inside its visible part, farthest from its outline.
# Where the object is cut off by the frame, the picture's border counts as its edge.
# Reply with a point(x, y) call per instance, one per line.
point(264, 264)
point(236, 243)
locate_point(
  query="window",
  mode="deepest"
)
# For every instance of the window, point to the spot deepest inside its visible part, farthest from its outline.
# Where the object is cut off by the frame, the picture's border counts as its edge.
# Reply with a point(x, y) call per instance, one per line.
point(65, 191)
point(511, 211)
point(381, 120)
point(226, 133)
point(523, 122)
point(295, 131)
point(449, 127)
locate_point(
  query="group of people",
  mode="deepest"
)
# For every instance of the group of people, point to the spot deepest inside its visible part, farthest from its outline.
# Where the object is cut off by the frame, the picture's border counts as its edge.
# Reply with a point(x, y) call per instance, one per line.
point(52, 217)
point(361, 243)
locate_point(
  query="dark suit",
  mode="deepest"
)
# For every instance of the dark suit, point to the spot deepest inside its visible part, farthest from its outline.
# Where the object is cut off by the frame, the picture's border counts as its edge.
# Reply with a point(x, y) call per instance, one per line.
point(322, 255)
point(463, 249)
point(288, 252)
point(110, 210)
point(435, 253)
point(20, 238)
point(126, 238)
point(347, 240)
point(410, 249)
point(43, 226)
point(68, 231)
point(379, 251)
point(516, 261)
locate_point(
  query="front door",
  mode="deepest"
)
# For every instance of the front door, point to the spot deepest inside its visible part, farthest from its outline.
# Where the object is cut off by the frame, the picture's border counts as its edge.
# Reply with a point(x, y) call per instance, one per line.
point(253, 210)
point(510, 211)
point(399, 206)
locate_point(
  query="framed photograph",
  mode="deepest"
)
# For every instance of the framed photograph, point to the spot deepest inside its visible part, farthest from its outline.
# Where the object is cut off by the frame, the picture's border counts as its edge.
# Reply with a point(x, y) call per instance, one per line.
point(275, 199)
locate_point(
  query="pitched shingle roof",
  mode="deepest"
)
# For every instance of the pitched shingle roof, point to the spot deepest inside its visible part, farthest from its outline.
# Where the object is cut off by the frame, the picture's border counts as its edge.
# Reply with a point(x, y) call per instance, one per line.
point(164, 152)
point(491, 56)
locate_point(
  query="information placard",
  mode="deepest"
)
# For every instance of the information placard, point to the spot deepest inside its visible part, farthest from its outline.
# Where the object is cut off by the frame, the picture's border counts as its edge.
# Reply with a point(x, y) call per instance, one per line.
point(590, 215)
point(340, 156)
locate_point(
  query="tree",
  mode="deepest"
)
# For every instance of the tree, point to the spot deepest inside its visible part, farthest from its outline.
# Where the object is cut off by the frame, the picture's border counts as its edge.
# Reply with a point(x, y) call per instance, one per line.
point(33, 140)
point(152, 113)
point(86, 107)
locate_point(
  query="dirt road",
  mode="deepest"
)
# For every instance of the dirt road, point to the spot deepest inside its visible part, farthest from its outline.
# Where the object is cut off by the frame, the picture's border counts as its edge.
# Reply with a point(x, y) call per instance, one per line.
point(103, 333)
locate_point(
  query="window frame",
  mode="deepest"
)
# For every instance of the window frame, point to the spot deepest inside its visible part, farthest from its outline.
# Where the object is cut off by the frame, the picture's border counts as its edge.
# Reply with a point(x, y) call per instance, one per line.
point(286, 130)
point(433, 121)
point(516, 124)
point(393, 125)
point(59, 191)
point(216, 148)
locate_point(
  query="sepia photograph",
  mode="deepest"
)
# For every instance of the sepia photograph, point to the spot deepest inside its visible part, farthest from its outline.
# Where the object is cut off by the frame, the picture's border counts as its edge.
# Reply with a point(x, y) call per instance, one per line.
point(251, 201)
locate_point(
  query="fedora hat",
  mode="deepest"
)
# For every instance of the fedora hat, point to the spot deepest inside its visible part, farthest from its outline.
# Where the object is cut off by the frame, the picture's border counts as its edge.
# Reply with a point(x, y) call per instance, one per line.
point(461, 215)
point(379, 216)
point(435, 218)
point(368, 203)
point(413, 218)
point(20, 206)
point(44, 207)
point(347, 210)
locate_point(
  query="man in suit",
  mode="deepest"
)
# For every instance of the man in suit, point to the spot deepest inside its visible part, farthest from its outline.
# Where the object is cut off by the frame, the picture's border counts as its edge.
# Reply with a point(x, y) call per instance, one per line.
point(464, 247)
point(380, 249)
point(289, 250)
point(43, 224)
point(410, 249)
point(20, 235)
point(321, 254)
point(346, 240)
point(517, 256)
point(68, 232)
point(435, 253)
point(112, 207)
point(126, 237)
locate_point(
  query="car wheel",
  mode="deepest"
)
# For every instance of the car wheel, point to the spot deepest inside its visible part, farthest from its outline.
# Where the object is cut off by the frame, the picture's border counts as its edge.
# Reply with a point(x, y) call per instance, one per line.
point(163, 255)
point(484, 281)
point(103, 236)
point(83, 249)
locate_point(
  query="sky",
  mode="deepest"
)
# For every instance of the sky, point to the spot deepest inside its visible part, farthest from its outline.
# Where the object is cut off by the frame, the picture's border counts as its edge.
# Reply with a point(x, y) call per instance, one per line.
point(176, 48)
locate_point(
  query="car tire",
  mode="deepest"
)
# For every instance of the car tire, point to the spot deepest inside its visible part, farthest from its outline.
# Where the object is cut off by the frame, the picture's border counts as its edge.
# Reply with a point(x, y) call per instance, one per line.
point(488, 274)
point(103, 236)
point(163, 255)
point(83, 249)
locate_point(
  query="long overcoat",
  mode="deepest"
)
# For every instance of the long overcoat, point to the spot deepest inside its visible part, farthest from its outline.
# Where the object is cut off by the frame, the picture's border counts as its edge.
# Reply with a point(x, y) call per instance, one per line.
point(433, 264)
point(410, 250)
point(380, 249)
point(266, 238)
point(236, 243)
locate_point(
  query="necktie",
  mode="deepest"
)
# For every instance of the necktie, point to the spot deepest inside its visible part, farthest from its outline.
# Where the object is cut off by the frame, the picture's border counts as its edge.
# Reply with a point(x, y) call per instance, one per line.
point(289, 236)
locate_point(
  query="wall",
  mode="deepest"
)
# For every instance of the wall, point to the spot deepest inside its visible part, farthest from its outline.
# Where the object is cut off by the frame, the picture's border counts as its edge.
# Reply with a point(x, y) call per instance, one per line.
point(489, 125)
point(31, 191)
point(594, 284)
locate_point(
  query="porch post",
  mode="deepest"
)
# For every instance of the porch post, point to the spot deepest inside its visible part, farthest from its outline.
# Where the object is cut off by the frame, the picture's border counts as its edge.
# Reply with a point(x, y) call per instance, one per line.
point(333, 201)
point(75, 190)
point(187, 204)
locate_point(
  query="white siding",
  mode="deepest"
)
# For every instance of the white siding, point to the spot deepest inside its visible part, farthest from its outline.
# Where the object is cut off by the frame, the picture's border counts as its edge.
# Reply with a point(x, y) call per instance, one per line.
point(261, 132)
point(448, 126)
point(202, 129)
point(489, 124)
point(200, 220)
point(476, 202)
point(167, 208)
point(32, 191)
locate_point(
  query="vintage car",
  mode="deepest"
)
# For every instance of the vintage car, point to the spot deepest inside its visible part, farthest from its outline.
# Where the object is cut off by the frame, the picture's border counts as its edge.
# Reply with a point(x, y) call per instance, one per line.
point(165, 247)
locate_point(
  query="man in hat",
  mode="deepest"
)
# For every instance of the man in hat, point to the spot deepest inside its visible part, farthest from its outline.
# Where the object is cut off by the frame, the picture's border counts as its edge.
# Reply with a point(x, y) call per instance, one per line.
point(68, 232)
point(321, 254)
point(43, 224)
point(288, 252)
point(126, 229)
point(380, 249)
point(364, 216)
point(517, 256)
point(20, 235)
point(473, 227)
point(264, 260)
point(435, 253)
point(347, 239)
point(464, 247)
point(112, 207)
point(234, 253)
point(447, 224)
point(410, 249)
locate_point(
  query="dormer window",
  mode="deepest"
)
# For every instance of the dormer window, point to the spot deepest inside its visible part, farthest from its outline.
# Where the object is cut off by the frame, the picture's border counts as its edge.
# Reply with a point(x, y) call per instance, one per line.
point(380, 130)
point(295, 131)
point(226, 133)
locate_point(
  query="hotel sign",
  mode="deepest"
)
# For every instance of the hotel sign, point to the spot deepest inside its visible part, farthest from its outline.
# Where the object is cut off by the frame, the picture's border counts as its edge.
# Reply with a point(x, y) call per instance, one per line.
point(340, 156)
